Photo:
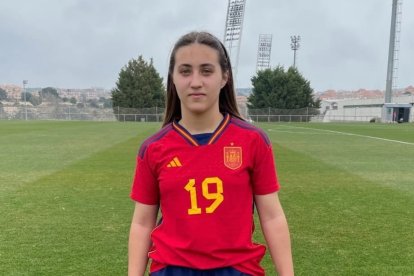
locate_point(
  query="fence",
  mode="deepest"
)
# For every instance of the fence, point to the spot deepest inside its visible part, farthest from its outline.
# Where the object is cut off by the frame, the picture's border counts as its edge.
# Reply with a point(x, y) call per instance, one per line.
point(284, 115)
point(56, 112)
point(155, 114)
point(74, 113)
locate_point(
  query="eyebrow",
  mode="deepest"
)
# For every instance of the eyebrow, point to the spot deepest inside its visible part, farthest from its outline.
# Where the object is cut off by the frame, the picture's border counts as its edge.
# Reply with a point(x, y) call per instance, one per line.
point(202, 65)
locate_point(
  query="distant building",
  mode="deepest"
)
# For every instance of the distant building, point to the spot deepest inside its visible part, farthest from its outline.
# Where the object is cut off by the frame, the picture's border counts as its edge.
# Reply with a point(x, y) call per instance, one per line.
point(365, 110)
point(361, 93)
point(13, 91)
point(243, 91)
point(83, 94)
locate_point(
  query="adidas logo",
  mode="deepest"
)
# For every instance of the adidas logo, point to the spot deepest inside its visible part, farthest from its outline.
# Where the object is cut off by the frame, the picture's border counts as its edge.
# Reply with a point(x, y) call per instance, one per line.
point(174, 163)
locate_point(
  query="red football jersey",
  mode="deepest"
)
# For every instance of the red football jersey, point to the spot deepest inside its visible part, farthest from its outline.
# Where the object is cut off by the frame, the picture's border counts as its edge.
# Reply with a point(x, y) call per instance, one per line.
point(205, 193)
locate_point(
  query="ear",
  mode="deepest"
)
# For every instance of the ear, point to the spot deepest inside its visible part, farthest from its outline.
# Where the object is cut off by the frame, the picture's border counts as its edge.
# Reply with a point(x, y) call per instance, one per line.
point(225, 79)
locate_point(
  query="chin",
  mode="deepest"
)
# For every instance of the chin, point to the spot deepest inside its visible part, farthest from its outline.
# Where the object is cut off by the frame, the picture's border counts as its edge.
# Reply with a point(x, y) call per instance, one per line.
point(198, 109)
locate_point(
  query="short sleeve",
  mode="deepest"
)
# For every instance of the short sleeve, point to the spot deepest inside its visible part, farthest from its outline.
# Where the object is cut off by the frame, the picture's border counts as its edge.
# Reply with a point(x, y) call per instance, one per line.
point(264, 175)
point(145, 186)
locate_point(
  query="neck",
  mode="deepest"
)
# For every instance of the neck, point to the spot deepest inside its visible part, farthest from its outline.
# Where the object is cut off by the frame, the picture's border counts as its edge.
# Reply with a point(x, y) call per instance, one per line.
point(201, 123)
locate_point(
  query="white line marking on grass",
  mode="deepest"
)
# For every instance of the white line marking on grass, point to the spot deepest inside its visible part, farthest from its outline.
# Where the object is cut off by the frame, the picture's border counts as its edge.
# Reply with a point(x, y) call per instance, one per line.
point(353, 134)
point(293, 132)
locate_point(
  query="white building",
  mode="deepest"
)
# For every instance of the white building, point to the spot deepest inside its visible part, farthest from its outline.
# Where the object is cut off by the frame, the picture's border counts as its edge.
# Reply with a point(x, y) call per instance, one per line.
point(365, 110)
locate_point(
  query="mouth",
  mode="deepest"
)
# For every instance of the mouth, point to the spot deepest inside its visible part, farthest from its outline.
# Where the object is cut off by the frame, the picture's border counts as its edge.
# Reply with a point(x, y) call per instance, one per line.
point(198, 94)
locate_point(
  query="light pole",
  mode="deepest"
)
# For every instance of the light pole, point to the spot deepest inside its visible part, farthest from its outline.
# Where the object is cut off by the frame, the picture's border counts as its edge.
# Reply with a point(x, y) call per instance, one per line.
point(294, 45)
point(25, 104)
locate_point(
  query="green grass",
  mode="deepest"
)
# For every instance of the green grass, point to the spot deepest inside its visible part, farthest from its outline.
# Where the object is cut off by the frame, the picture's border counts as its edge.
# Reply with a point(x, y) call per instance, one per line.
point(349, 199)
point(65, 208)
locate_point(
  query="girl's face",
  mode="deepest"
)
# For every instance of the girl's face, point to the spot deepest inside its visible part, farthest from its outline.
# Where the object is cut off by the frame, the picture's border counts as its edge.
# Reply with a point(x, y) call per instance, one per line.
point(198, 78)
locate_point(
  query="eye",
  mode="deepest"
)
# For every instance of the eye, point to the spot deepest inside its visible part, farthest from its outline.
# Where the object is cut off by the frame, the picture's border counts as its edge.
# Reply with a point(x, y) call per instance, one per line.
point(184, 71)
point(206, 71)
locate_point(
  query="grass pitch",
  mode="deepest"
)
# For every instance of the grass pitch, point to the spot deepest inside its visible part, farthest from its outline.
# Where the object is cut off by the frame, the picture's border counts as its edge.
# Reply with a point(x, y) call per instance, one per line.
point(347, 190)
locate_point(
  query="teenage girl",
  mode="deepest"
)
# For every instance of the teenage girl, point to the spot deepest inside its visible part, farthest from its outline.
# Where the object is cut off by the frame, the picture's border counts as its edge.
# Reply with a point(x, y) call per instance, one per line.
point(204, 171)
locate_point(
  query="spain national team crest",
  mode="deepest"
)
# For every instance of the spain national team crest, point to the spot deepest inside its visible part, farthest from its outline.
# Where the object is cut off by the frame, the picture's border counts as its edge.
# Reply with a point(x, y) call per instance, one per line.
point(233, 157)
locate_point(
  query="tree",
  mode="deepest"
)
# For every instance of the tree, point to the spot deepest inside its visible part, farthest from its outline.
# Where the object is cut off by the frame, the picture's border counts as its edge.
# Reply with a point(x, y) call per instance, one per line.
point(3, 94)
point(49, 94)
point(93, 103)
point(34, 100)
point(139, 85)
point(25, 96)
point(282, 89)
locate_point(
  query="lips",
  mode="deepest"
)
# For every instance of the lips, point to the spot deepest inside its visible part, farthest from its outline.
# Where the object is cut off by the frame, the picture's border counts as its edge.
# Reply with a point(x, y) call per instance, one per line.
point(196, 94)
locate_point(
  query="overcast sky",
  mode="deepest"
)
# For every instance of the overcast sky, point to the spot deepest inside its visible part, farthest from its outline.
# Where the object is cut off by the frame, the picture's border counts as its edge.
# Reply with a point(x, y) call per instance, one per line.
point(85, 43)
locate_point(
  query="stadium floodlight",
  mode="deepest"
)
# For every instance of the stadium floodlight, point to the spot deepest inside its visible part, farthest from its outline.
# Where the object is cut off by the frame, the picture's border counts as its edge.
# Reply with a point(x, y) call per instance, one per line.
point(393, 51)
point(263, 52)
point(295, 46)
point(233, 31)
point(24, 94)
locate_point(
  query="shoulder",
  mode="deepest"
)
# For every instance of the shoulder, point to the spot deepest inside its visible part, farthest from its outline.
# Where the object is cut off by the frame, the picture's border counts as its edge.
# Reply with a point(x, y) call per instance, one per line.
point(154, 139)
point(250, 128)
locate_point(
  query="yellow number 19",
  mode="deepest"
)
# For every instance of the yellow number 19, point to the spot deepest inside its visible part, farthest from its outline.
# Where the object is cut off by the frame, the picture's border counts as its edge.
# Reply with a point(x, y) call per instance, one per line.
point(216, 196)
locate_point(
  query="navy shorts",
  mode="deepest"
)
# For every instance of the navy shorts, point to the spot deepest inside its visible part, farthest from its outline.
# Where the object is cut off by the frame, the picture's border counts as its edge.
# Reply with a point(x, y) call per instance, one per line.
point(184, 271)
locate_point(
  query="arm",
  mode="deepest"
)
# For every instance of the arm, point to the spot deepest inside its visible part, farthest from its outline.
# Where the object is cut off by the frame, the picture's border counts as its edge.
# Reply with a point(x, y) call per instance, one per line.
point(143, 222)
point(276, 232)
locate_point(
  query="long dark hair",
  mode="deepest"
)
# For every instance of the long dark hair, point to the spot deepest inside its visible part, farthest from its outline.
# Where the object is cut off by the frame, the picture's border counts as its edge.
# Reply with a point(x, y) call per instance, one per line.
point(227, 98)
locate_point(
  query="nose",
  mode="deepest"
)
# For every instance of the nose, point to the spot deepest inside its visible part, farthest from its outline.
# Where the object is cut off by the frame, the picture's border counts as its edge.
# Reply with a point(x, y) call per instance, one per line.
point(196, 80)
